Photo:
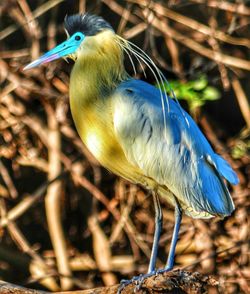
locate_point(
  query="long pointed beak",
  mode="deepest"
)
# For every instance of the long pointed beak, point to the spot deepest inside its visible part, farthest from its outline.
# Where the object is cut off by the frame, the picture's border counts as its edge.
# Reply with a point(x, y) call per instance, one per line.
point(63, 49)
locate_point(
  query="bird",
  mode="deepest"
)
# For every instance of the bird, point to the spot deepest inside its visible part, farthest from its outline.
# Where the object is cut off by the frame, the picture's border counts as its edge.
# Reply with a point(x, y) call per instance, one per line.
point(137, 131)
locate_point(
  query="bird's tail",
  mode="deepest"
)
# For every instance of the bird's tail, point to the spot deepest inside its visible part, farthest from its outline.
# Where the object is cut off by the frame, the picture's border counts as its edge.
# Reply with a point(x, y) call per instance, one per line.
point(214, 187)
point(225, 170)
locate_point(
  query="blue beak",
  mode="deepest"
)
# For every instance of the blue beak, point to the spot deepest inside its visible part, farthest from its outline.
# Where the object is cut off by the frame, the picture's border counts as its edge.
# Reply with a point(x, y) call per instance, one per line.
point(68, 47)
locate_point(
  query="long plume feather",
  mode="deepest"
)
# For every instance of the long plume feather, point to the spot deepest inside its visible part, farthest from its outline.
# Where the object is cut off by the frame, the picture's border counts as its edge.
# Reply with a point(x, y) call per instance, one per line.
point(157, 73)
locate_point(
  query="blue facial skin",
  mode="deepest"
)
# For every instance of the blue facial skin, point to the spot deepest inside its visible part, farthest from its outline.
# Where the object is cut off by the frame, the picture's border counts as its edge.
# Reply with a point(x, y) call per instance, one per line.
point(63, 49)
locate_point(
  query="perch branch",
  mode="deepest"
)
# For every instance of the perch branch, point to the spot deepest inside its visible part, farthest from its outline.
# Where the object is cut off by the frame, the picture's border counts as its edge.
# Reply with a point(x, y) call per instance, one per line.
point(169, 282)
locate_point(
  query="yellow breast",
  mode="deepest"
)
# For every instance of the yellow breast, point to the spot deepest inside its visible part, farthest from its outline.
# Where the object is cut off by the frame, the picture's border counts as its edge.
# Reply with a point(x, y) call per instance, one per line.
point(94, 123)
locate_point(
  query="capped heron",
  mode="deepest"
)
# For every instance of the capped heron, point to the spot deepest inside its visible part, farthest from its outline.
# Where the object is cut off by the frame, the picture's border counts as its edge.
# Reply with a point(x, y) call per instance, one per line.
point(136, 131)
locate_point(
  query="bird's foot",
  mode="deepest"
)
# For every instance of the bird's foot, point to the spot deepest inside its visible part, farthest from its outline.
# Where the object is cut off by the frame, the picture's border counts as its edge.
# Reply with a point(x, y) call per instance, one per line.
point(164, 270)
point(138, 280)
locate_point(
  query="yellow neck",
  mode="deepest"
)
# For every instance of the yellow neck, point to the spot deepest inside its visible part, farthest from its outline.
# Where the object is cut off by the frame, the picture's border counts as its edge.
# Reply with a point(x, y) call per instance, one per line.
point(98, 68)
point(96, 73)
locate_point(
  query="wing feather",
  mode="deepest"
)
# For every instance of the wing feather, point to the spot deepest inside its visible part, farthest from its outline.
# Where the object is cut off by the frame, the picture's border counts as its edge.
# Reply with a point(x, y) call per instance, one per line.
point(178, 157)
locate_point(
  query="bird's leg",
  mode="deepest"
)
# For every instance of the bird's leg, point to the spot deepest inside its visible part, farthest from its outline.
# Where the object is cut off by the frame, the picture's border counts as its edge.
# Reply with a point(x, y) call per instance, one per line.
point(157, 233)
point(158, 223)
point(151, 268)
point(178, 216)
point(170, 260)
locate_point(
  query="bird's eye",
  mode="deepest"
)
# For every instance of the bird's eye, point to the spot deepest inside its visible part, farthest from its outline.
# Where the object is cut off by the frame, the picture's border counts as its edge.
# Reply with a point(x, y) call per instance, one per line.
point(77, 38)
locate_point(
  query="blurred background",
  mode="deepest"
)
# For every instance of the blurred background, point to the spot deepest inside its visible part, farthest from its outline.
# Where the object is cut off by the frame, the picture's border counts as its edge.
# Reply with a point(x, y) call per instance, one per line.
point(66, 223)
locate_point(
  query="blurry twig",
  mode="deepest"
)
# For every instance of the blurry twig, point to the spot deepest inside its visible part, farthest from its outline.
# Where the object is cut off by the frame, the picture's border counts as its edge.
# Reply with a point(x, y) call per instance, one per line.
point(242, 100)
point(53, 200)
point(34, 30)
point(129, 227)
point(52, 29)
point(38, 266)
point(190, 43)
point(14, 53)
point(124, 215)
point(113, 5)
point(193, 24)
point(215, 254)
point(36, 13)
point(174, 52)
point(8, 181)
point(27, 202)
point(37, 163)
point(82, 6)
point(135, 30)
point(102, 251)
point(227, 6)
point(121, 263)
point(216, 48)
point(124, 19)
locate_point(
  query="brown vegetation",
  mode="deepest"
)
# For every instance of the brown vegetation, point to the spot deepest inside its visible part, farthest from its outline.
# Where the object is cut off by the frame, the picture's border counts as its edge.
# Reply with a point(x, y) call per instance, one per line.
point(66, 223)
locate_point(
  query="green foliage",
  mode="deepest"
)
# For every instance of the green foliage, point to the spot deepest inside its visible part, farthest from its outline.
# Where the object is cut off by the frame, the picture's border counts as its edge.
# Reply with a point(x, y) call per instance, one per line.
point(241, 149)
point(196, 92)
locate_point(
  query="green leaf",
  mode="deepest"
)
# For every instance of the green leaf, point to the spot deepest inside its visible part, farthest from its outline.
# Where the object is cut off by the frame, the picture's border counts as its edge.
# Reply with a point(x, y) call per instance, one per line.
point(195, 92)
point(240, 149)
point(195, 103)
point(211, 93)
point(200, 84)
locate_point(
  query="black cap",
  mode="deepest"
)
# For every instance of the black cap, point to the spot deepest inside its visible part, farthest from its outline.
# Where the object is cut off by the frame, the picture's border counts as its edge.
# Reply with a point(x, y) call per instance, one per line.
point(87, 24)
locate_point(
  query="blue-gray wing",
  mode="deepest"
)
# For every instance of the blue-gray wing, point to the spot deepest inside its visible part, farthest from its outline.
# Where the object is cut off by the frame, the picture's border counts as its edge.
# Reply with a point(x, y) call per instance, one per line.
point(175, 154)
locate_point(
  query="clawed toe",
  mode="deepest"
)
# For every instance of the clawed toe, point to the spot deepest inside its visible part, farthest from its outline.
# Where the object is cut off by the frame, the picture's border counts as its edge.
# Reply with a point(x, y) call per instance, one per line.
point(123, 284)
point(141, 279)
point(163, 270)
point(138, 280)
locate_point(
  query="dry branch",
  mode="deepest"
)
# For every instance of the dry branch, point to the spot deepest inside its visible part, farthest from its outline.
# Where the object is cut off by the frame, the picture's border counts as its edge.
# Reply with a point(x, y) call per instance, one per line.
point(53, 201)
point(195, 46)
point(36, 13)
point(193, 24)
point(181, 282)
point(242, 100)
point(237, 8)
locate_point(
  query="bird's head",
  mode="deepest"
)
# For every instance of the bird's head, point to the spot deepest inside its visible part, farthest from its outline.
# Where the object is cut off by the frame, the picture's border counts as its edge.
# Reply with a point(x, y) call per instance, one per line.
point(84, 32)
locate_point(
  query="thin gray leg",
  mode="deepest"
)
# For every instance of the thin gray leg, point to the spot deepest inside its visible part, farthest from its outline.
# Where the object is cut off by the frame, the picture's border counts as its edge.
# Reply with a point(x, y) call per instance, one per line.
point(178, 216)
point(157, 233)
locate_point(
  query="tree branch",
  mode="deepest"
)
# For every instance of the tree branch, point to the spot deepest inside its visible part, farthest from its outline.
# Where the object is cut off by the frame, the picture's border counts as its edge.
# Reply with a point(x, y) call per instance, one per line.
point(175, 282)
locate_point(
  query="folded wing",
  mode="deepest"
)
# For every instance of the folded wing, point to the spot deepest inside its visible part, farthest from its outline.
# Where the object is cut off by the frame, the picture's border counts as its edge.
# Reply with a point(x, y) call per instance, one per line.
point(175, 154)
